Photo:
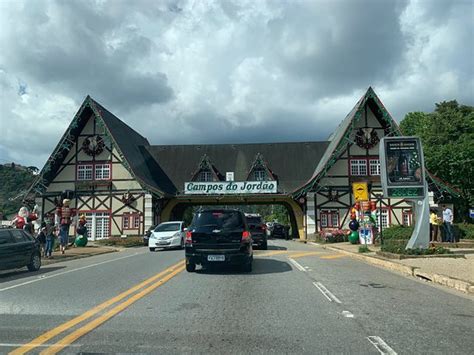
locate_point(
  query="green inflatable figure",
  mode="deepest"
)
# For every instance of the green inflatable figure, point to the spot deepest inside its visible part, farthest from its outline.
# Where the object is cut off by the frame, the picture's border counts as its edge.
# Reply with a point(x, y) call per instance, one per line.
point(81, 239)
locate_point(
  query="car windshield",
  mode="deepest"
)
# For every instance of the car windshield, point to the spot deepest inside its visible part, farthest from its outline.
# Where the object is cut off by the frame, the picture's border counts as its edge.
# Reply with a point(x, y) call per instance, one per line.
point(254, 220)
point(168, 227)
point(219, 219)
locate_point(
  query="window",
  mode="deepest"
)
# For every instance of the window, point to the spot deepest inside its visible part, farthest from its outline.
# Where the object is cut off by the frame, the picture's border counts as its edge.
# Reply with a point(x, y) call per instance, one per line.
point(407, 218)
point(102, 171)
point(98, 224)
point(260, 175)
point(131, 221)
point(84, 172)
point(329, 219)
point(358, 167)
point(385, 218)
point(205, 175)
point(374, 166)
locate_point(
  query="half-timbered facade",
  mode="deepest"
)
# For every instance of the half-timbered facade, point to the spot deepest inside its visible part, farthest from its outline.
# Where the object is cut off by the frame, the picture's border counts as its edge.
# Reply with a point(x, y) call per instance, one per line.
point(123, 185)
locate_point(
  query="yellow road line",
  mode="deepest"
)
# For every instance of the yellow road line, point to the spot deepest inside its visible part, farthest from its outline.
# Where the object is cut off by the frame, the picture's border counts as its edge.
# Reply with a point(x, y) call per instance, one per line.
point(69, 339)
point(272, 253)
point(43, 338)
point(333, 256)
point(306, 253)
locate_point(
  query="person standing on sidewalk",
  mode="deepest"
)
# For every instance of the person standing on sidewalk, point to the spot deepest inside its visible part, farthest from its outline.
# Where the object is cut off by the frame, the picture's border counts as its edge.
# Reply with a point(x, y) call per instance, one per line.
point(50, 238)
point(41, 238)
point(433, 226)
point(448, 224)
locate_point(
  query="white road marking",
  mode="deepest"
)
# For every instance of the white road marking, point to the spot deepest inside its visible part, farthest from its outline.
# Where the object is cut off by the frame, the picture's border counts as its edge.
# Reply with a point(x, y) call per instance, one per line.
point(43, 277)
point(297, 265)
point(380, 345)
point(328, 294)
point(347, 314)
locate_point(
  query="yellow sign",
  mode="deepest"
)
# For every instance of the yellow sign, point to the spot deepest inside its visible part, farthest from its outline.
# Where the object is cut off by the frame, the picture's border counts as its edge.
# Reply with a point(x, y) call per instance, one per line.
point(360, 191)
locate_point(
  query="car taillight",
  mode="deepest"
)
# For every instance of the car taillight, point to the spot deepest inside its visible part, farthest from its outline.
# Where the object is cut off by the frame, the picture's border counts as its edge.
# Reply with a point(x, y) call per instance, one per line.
point(245, 235)
point(189, 238)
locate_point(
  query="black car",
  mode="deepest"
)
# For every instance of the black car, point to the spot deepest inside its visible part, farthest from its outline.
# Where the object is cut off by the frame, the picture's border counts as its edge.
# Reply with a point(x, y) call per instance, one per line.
point(216, 237)
point(258, 230)
point(280, 231)
point(19, 249)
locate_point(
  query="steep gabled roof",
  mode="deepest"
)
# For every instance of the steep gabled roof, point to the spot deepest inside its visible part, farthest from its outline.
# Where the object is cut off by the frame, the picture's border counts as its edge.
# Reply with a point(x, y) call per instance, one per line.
point(129, 143)
point(340, 137)
point(292, 162)
point(205, 164)
point(260, 163)
point(132, 146)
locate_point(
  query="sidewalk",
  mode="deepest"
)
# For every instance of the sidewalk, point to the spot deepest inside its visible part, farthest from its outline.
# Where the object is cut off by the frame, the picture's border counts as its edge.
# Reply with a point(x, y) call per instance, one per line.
point(77, 253)
point(457, 273)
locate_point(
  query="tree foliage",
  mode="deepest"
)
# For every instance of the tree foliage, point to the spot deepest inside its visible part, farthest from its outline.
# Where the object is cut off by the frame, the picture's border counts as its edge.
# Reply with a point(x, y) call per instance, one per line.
point(14, 179)
point(447, 135)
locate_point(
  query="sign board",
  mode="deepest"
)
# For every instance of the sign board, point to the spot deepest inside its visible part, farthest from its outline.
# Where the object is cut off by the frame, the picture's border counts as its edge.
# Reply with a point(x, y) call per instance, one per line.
point(360, 191)
point(366, 236)
point(402, 167)
point(230, 187)
point(471, 212)
point(229, 176)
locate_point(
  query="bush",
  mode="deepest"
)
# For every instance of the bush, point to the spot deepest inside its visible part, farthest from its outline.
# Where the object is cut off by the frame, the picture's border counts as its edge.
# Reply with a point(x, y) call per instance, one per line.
point(397, 233)
point(398, 247)
point(364, 249)
point(334, 235)
point(122, 242)
point(464, 230)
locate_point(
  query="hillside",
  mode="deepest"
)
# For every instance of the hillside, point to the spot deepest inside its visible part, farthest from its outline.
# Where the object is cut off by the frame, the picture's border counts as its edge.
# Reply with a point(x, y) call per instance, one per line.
point(13, 180)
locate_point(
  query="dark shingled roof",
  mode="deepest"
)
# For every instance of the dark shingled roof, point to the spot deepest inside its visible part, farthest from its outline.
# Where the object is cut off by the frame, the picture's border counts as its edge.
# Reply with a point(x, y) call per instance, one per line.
point(292, 163)
point(133, 146)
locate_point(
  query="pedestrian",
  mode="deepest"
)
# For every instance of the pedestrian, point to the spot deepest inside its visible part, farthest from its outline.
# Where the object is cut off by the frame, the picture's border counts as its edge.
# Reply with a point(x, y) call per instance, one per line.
point(28, 227)
point(50, 238)
point(41, 238)
point(434, 226)
point(448, 224)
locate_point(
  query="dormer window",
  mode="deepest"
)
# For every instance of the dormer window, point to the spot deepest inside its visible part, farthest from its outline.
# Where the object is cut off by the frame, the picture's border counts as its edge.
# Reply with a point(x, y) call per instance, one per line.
point(259, 175)
point(205, 175)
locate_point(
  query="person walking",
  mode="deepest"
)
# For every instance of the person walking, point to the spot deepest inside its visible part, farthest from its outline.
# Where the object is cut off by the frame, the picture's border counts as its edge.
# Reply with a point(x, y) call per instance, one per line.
point(50, 238)
point(434, 226)
point(41, 238)
point(448, 224)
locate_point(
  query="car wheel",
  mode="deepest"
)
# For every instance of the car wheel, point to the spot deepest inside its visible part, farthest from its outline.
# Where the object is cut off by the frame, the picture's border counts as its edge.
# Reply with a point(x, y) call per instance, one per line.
point(190, 267)
point(247, 267)
point(35, 263)
point(152, 249)
point(264, 246)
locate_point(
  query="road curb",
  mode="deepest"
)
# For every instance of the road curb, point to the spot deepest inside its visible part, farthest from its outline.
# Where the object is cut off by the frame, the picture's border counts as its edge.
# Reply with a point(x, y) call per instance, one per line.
point(75, 257)
point(460, 285)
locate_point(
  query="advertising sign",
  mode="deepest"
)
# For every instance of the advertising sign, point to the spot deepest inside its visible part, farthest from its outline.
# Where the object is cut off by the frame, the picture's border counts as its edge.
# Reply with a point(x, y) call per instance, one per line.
point(230, 187)
point(402, 167)
point(360, 191)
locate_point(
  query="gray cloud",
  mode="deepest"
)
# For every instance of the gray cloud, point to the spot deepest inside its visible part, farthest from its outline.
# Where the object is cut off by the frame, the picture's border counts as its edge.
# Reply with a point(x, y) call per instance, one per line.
point(224, 71)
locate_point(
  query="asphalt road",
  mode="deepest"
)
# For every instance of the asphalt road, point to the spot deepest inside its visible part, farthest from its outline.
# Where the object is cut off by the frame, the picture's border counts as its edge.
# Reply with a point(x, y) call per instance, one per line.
point(298, 299)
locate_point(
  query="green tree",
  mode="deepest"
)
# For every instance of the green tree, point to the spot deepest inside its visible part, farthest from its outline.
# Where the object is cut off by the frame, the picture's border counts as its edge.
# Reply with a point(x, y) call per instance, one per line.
point(447, 135)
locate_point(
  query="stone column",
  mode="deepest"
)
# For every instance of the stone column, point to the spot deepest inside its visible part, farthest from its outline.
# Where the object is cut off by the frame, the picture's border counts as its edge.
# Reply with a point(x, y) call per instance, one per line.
point(148, 213)
point(310, 214)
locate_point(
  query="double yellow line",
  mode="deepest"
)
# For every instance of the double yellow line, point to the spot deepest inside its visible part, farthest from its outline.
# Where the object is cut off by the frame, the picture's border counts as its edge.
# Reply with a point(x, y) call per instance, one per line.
point(160, 279)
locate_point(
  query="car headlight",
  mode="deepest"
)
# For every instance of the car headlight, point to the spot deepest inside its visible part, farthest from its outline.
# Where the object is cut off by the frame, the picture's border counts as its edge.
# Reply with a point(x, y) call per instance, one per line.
point(177, 234)
point(152, 236)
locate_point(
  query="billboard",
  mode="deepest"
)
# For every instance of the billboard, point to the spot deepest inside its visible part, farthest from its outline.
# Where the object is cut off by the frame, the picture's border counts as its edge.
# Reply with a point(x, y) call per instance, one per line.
point(402, 167)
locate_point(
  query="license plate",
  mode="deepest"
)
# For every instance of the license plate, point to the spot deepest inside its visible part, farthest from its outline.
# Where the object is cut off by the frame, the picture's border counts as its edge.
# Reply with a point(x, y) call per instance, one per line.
point(216, 258)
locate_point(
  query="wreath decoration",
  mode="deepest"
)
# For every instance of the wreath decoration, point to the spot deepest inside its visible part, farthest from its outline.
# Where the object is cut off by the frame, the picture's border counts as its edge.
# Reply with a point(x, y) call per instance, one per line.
point(93, 145)
point(366, 138)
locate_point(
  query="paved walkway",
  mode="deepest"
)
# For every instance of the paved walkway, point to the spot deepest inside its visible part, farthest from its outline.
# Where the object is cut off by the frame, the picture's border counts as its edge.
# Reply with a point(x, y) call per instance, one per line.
point(458, 268)
point(76, 253)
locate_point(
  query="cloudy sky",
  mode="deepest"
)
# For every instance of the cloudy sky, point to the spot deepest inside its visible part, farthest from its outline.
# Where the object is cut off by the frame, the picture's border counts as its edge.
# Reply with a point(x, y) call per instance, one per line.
point(224, 71)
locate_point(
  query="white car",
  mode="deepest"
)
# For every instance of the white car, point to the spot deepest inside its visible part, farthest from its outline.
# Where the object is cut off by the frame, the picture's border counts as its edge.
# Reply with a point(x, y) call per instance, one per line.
point(167, 235)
